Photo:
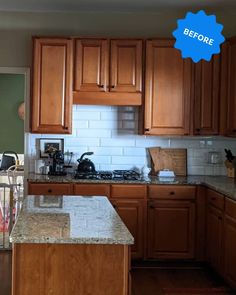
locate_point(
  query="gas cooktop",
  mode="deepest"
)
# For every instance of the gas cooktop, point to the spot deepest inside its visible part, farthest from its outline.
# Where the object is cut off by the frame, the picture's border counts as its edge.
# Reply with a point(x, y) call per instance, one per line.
point(110, 175)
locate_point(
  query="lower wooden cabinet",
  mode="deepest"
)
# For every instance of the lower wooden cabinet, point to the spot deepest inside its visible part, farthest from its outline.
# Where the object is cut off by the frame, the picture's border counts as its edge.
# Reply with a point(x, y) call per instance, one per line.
point(50, 189)
point(92, 189)
point(133, 214)
point(171, 229)
point(214, 229)
point(214, 237)
point(230, 242)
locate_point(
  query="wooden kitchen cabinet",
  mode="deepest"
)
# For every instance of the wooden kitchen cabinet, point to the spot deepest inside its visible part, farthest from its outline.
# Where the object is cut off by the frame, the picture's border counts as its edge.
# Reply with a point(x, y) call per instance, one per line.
point(108, 71)
point(50, 188)
point(171, 229)
point(51, 105)
point(207, 97)
point(133, 214)
point(214, 231)
point(92, 189)
point(230, 242)
point(229, 86)
point(129, 200)
point(167, 90)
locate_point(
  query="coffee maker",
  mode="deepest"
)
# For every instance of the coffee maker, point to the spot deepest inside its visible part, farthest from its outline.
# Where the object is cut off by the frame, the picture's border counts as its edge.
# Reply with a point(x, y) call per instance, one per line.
point(57, 165)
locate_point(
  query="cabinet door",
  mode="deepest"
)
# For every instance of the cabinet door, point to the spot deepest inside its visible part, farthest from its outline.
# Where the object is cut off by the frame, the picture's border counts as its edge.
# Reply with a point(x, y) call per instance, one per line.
point(126, 66)
point(230, 250)
point(132, 213)
point(91, 65)
point(168, 90)
point(92, 189)
point(206, 100)
point(50, 188)
point(52, 86)
point(171, 229)
point(231, 110)
point(214, 237)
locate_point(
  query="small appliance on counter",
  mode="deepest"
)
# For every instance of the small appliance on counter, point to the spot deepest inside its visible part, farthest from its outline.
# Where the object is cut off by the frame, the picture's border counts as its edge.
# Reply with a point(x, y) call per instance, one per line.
point(86, 165)
point(8, 161)
point(57, 166)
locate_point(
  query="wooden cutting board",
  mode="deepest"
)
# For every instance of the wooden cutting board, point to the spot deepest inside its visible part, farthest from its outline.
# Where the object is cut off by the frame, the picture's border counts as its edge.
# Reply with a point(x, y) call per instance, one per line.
point(169, 158)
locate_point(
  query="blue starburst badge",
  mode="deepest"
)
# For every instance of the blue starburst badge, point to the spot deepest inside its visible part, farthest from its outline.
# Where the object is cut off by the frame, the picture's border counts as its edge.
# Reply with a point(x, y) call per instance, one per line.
point(198, 36)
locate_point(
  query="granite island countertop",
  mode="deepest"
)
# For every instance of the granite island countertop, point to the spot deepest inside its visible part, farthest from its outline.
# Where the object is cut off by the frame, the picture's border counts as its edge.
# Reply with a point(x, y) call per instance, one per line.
point(221, 184)
point(69, 220)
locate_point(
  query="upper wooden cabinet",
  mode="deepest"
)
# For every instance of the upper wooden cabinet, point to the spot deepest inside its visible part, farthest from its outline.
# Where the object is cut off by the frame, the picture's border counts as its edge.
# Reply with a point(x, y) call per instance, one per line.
point(206, 97)
point(167, 90)
point(51, 107)
point(229, 87)
point(91, 65)
point(108, 72)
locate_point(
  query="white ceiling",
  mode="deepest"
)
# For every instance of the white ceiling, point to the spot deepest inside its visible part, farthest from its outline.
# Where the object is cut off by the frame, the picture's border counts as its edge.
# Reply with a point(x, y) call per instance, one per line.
point(114, 5)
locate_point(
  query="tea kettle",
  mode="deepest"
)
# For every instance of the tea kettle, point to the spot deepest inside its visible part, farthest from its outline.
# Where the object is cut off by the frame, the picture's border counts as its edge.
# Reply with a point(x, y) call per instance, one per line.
point(85, 165)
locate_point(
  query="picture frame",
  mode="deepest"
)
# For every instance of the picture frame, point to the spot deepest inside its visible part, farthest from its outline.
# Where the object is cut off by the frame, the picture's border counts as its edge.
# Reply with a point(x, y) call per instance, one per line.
point(47, 145)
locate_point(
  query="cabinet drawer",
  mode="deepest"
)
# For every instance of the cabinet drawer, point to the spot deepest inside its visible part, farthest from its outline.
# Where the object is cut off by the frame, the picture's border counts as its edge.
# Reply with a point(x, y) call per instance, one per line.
point(92, 190)
point(49, 189)
point(128, 191)
point(230, 208)
point(171, 192)
point(215, 199)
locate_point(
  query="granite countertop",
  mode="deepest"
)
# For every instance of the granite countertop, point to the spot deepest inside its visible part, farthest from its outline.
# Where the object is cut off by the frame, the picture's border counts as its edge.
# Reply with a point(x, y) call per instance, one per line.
point(69, 220)
point(222, 184)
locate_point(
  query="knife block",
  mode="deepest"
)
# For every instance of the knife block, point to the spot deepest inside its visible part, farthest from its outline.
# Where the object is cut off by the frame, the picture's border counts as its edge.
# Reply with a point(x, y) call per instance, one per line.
point(230, 169)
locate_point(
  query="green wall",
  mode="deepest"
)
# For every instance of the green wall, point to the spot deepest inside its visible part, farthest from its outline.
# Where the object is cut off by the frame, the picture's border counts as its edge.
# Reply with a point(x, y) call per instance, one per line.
point(11, 126)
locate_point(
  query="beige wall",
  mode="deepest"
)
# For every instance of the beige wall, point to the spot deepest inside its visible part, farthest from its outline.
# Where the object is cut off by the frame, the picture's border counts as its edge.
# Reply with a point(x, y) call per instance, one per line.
point(16, 29)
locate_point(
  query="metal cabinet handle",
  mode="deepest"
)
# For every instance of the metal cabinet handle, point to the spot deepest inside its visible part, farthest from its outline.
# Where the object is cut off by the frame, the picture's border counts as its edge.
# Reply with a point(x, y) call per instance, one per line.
point(112, 86)
point(49, 190)
point(66, 128)
point(172, 193)
point(100, 86)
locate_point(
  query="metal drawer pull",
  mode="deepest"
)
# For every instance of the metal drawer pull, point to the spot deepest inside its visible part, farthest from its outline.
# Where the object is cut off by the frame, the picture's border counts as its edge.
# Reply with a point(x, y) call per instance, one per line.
point(100, 86)
point(49, 191)
point(172, 193)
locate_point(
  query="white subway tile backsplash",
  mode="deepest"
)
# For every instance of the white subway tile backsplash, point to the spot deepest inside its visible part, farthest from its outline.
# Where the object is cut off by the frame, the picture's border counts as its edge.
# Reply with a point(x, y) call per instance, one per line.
point(93, 133)
point(117, 142)
point(128, 124)
point(104, 151)
point(86, 116)
point(134, 151)
point(111, 132)
point(80, 124)
point(81, 142)
point(128, 160)
point(105, 124)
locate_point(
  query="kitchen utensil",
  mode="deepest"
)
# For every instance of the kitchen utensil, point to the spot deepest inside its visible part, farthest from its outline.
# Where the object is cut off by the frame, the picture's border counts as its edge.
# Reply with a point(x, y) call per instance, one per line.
point(38, 166)
point(8, 161)
point(57, 167)
point(169, 158)
point(229, 155)
point(86, 165)
point(214, 157)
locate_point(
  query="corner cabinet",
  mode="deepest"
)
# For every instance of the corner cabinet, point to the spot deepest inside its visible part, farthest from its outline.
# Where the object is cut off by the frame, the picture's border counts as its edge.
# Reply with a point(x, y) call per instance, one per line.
point(230, 60)
point(207, 97)
point(108, 71)
point(167, 90)
point(51, 105)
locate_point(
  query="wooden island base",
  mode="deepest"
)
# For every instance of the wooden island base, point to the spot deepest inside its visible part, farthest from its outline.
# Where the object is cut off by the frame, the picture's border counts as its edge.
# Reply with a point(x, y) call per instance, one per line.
point(66, 269)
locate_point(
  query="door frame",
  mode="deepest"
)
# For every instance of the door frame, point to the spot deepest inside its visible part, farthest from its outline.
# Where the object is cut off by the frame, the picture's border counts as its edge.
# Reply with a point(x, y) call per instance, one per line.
point(26, 72)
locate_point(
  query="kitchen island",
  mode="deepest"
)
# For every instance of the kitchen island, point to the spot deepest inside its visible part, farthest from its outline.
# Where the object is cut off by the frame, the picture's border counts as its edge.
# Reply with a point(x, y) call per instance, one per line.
point(70, 245)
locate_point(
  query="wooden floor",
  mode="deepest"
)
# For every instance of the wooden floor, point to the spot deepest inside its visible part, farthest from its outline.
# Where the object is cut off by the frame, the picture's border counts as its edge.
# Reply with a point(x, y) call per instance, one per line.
point(145, 281)
point(151, 281)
